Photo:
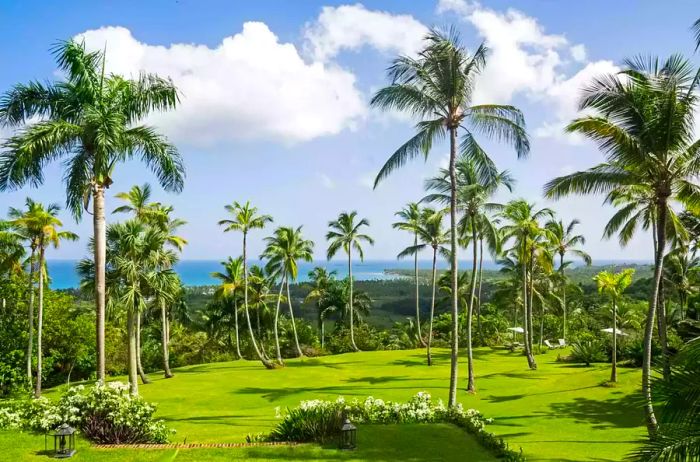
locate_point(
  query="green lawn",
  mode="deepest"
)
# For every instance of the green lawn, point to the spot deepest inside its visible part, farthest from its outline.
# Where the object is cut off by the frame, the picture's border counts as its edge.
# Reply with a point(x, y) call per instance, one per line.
point(559, 412)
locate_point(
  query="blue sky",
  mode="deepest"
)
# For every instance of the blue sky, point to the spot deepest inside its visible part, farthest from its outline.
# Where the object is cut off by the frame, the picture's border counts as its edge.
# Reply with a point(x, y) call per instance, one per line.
point(274, 107)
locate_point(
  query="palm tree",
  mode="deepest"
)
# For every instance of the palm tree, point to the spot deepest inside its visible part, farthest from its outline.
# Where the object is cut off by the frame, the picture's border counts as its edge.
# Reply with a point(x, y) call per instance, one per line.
point(431, 234)
point(437, 87)
point(138, 204)
point(345, 234)
point(474, 189)
point(613, 284)
point(231, 283)
point(45, 222)
point(563, 241)
point(680, 271)
point(284, 249)
point(11, 249)
point(320, 279)
point(410, 216)
point(89, 120)
point(244, 219)
point(259, 285)
point(523, 224)
point(643, 122)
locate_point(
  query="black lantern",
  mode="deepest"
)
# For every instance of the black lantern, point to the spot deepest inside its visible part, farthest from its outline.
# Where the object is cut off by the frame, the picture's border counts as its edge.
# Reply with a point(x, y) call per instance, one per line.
point(348, 435)
point(64, 442)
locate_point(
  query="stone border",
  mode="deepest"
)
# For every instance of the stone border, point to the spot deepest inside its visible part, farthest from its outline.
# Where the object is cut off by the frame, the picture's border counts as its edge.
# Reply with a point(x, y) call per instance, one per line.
point(192, 445)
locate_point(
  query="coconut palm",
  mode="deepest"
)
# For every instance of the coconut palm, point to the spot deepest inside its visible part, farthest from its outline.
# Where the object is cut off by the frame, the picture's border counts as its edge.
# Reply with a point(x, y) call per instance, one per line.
point(90, 121)
point(643, 122)
point(564, 241)
point(410, 216)
point(259, 284)
point(229, 289)
point(437, 87)
point(11, 250)
point(346, 234)
point(680, 272)
point(612, 285)
point(244, 219)
point(284, 249)
point(431, 233)
point(320, 279)
point(523, 224)
point(474, 189)
point(138, 203)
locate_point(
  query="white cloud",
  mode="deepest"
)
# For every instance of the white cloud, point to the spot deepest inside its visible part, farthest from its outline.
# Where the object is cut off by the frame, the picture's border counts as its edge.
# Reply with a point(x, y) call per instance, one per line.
point(525, 59)
point(326, 181)
point(367, 179)
point(250, 86)
point(350, 27)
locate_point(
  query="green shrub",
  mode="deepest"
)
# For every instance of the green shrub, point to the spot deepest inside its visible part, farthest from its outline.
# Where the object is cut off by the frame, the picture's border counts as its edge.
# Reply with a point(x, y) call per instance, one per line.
point(587, 352)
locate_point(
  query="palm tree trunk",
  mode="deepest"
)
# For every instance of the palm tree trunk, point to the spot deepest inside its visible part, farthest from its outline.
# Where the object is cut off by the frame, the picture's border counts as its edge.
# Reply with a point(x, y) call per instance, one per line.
point(660, 242)
point(30, 343)
point(164, 341)
point(470, 311)
point(541, 324)
point(294, 324)
point(526, 310)
point(133, 363)
point(40, 322)
point(266, 363)
point(99, 230)
point(139, 366)
point(235, 326)
point(478, 298)
point(613, 373)
point(663, 333)
point(452, 396)
point(350, 304)
point(415, 276)
point(277, 315)
point(432, 307)
point(563, 293)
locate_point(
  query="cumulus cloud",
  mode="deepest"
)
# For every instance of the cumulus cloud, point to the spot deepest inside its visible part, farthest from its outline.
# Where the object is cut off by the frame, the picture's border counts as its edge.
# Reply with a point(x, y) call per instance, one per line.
point(351, 27)
point(526, 59)
point(250, 86)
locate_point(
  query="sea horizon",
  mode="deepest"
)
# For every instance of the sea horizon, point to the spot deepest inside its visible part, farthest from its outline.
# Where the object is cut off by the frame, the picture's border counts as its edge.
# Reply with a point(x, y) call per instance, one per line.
point(197, 272)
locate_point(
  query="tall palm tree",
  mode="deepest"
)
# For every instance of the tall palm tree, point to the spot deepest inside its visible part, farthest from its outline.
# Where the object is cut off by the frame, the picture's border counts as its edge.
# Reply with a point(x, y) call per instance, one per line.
point(320, 279)
point(410, 216)
point(90, 121)
point(259, 284)
point(643, 121)
point(284, 249)
point(680, 271)
point(613, 284)
point(43, 220)
point(564, 241)
point(138, 203)
point(523, 224)
point(437, 87)
point(474, 189)
point(245, 218)
point(346, 234)
point(227, 292)
point(431, 234)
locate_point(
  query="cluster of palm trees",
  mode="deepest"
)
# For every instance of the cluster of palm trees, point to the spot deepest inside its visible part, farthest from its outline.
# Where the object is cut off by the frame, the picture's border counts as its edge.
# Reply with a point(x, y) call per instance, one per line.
point(283, 251)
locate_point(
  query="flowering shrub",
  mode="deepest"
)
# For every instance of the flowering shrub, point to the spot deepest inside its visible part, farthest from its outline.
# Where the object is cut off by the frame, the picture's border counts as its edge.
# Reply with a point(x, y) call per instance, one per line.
point(104, 413)
point(319, 420)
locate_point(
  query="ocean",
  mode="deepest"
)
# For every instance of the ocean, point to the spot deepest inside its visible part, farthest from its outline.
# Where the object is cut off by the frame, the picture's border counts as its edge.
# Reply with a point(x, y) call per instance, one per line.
point(198, 272)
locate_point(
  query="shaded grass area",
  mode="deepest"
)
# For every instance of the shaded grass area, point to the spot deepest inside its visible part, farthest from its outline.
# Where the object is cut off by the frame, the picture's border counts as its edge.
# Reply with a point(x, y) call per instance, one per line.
point(559, 412)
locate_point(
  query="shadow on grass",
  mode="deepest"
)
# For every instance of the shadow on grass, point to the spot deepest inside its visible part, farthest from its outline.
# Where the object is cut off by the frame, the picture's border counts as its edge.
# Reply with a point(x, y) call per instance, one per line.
point(622, 412)
point(276, 394)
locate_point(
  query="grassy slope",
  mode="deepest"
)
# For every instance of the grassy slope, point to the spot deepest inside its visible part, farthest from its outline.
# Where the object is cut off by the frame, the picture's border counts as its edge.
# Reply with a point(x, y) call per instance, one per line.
point(559, 412)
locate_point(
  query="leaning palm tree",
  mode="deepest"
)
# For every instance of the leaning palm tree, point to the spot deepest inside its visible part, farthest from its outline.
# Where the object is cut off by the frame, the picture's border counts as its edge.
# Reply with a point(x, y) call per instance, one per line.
point(564, 241)
point(613, 284)
point(431, 233)
point(46, 222)
point(244, 219)
point(346, 234)
point(410, 216)
point(231, 284)
point(474, 189)
point(90, 121)
point(522, 223)
point(643, 121)
point(437, 87)
point(284, 250)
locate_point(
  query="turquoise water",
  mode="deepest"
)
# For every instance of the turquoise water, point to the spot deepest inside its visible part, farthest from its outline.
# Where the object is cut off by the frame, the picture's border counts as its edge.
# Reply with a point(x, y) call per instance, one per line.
point(197, 272)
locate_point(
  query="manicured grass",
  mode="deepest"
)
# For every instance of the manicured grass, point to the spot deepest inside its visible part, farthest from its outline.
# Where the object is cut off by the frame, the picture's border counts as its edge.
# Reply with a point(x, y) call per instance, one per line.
point(559, 412)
